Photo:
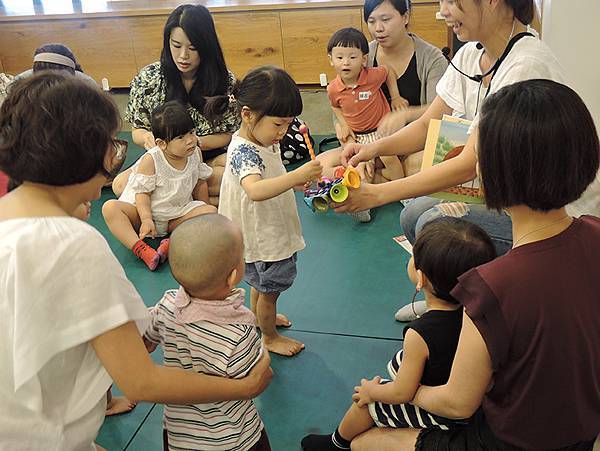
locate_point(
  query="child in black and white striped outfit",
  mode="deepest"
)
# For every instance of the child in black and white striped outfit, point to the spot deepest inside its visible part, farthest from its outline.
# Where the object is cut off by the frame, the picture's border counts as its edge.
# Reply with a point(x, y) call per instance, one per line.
point(444, 250)
point(204, 327)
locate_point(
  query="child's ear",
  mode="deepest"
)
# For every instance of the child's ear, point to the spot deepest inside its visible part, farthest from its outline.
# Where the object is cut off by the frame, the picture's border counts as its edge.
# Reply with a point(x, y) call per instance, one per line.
point(365, 60)
point(232, 278)
point(330, 59)
point(247, 115)
point(161, 143)
point(421, 280)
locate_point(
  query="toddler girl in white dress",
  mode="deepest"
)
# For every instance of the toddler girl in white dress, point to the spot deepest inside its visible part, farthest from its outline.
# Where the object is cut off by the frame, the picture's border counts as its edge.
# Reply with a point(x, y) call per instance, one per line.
point(166, 187)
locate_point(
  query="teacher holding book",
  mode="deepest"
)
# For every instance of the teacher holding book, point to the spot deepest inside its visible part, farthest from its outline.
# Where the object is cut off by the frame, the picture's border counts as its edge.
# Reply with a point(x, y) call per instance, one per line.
point(501, 50)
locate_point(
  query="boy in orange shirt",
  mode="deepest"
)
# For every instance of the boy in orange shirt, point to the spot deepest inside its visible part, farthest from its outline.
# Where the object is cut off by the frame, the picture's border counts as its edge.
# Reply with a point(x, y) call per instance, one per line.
point(357, 99)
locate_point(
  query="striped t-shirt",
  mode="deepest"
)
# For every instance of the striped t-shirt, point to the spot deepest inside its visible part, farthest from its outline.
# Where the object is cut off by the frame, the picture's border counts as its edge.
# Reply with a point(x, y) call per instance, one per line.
point(226, 350)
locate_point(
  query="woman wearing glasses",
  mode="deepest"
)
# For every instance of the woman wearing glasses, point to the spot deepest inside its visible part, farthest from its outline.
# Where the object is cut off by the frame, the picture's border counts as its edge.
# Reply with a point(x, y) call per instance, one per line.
point(70, 320)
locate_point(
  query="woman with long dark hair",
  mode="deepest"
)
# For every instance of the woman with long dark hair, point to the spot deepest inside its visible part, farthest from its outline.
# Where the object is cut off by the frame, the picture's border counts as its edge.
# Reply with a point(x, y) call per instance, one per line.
point(191, 68)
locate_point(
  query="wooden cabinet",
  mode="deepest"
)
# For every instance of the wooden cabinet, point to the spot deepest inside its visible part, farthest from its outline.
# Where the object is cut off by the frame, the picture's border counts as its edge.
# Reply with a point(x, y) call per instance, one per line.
point(116, 44)
point(424, 24)
point(305, 36)
point(249, 40)
point(102, 46)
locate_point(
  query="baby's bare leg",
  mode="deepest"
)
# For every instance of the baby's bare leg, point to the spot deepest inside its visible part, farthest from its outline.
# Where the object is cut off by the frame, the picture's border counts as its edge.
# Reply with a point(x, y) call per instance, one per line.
point(280, 319)
point(266, 315)
point(123, 221)
point(214, 181)
point(356, 421)
point(393, 169)
point(198, 211)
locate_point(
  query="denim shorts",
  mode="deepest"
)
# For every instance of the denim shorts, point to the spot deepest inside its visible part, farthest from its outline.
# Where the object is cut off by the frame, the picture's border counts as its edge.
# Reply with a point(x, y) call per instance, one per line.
point(271, 277)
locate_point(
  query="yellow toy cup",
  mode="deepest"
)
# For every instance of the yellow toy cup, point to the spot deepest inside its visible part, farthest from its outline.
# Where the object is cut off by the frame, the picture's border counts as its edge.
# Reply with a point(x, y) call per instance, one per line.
point(320, 203)
point(338, 192)
point(351, 178)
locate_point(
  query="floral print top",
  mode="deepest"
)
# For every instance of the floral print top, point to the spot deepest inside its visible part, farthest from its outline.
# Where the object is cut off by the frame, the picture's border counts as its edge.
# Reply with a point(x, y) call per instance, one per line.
point(148, 91)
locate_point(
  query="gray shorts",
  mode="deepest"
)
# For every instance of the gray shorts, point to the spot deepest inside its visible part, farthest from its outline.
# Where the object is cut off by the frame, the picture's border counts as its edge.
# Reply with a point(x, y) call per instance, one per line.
point(271, 277)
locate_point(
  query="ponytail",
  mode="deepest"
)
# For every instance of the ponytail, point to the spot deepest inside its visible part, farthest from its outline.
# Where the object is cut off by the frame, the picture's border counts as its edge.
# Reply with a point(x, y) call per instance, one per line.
point(523, 10)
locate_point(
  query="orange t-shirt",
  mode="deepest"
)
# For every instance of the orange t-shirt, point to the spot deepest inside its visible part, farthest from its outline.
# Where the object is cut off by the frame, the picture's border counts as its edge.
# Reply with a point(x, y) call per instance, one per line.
point(364, 105)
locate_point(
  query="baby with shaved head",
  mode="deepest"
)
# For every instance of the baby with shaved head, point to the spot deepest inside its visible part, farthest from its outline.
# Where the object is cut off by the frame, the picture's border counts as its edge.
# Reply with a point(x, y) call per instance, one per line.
point(205, 327)
point(207, 256)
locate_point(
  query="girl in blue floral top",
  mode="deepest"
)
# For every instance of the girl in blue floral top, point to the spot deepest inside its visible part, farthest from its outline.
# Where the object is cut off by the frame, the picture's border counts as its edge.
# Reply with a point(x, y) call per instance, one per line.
point(257, 194)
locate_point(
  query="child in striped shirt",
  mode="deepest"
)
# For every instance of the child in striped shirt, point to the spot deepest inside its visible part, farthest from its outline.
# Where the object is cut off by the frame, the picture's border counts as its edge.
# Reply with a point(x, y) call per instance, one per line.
point(205, 327)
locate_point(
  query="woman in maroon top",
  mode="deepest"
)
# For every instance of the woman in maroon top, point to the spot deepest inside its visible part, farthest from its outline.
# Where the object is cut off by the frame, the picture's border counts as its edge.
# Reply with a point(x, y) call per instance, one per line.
point(527, 367)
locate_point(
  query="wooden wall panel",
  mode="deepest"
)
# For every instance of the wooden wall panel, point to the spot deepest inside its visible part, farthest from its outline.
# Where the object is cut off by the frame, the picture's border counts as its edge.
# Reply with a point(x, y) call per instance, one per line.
point(118, 47)
point(102, 46)
point(305, 35)
point(249, 40)
point(147, 38)
point(424, 24)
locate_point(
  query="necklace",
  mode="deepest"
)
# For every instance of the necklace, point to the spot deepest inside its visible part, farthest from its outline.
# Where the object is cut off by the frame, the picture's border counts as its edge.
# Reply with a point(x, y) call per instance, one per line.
point(540, 228)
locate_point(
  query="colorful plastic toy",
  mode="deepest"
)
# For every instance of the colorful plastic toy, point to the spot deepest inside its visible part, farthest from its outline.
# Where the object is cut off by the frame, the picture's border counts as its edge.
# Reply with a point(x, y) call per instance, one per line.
point(304, 130)
point(328, 190)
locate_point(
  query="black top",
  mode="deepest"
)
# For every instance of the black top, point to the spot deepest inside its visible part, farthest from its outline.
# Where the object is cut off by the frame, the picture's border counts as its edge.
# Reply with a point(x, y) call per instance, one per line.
point(409, 84)
point(440, 330)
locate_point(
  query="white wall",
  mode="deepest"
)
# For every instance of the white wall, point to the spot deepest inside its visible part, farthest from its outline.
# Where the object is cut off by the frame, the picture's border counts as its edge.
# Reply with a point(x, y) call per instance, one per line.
point(572, 30)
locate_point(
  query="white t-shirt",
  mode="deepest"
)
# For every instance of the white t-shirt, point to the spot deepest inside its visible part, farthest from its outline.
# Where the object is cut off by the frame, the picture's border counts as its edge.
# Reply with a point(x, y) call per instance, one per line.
point(271, 227)
point(60, 287)
point(530, 58)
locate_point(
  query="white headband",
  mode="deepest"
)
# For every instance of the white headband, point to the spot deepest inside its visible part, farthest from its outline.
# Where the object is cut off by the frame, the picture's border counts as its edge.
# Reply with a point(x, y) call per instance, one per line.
point(54, 58)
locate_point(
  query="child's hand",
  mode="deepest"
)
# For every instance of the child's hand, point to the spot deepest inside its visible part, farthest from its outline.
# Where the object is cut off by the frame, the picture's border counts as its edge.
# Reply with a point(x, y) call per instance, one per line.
point(149, 141)
point(147, 228)
point(344, 133)
point(399, 103)
point(362, 395)
point(308, 171)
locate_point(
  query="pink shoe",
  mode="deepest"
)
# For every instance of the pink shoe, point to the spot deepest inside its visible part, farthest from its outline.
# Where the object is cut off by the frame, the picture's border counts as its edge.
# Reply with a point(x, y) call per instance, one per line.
point(163, 249)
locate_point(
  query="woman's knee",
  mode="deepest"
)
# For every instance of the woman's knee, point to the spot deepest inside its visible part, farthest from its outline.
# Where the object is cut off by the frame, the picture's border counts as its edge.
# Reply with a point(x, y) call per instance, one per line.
point(411, 215)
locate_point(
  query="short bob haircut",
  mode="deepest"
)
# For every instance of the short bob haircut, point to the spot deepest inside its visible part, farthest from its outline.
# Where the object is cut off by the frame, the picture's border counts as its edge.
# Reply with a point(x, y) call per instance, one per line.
point(170, 120)
point(448, 247)
point(266, 90)
point(212, 77)
point(538, 146)
point(402, 6)
point(348, 37)
point(56, 129)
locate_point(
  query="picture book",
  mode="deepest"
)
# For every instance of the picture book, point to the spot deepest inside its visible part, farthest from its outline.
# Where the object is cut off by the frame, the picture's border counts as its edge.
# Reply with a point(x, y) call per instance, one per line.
point(445, 140)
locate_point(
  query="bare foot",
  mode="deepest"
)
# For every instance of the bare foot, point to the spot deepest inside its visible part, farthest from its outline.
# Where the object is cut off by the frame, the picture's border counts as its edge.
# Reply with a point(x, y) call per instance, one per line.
point(118, 405)
point(283, 345)
point(282, 321)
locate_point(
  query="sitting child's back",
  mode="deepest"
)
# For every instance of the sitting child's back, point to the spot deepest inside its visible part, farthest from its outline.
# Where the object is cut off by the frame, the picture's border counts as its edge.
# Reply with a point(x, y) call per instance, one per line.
point(204, 327)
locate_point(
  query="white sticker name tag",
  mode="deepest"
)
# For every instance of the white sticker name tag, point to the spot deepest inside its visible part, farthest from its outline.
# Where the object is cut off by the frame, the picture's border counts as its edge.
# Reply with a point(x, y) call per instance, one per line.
point(364, 95)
